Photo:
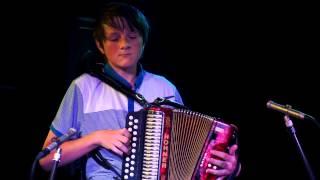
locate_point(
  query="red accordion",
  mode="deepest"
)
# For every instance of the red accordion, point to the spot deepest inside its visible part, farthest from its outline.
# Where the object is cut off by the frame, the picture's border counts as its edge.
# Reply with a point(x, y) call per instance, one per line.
point(173, 144)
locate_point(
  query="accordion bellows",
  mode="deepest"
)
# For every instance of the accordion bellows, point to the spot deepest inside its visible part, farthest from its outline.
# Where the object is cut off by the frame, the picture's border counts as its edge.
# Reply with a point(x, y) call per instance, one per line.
point(172, 144)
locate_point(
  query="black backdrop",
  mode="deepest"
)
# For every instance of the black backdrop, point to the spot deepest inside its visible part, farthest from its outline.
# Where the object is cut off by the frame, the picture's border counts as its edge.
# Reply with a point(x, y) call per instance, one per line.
point(227, 60)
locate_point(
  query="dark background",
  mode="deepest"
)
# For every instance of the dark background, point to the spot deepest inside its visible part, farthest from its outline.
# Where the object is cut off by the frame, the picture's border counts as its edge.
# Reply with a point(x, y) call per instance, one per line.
point(227, 60)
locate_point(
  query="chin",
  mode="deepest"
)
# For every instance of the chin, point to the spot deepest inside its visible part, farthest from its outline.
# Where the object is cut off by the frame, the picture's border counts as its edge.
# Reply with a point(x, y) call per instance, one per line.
point(128, 64)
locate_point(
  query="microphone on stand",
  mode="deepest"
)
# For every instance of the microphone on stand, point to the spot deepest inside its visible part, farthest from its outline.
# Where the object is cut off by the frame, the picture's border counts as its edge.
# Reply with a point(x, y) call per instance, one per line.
point(286, 109)
point(71, 132)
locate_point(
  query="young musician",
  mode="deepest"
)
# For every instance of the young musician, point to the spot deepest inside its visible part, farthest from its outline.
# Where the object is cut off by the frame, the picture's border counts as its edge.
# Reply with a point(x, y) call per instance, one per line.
point(99, 111)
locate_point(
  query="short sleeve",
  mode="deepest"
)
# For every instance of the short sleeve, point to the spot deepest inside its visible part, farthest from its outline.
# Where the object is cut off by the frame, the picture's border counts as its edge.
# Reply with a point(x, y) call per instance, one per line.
point(70, 112)
point(177, 97)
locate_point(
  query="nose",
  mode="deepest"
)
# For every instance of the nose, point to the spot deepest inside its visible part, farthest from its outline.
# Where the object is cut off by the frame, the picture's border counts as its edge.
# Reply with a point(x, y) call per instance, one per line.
point(125, 43)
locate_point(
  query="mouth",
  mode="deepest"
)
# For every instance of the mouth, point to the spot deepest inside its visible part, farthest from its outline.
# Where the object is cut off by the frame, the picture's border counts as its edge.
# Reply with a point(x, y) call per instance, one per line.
point(125, 54)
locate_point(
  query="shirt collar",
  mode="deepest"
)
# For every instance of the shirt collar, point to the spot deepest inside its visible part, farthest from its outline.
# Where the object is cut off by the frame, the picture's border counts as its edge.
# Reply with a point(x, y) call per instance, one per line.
point(113, 74)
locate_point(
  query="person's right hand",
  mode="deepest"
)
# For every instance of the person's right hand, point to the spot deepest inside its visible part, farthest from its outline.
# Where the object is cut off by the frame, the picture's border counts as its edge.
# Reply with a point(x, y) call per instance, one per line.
point(114, 140)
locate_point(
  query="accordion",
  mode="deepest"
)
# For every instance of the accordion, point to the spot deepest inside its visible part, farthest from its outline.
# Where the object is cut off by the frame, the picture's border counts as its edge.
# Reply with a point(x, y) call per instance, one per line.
point(173, 144)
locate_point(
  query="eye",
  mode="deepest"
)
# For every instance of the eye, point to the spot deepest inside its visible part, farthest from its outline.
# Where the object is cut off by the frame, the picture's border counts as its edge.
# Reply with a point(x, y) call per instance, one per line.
point(133, 35)
point(113, 37)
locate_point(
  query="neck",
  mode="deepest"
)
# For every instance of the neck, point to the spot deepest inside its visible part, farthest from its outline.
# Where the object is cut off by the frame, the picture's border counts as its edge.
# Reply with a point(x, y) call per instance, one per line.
point(128, 74)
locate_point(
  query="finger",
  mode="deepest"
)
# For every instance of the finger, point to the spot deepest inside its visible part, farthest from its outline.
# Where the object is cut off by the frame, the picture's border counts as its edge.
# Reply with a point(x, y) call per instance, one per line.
point(233, 149)
point(218, 172)
point(122, 147)
point(116, 150)
point(217, 162)
point(219, 154)
point(221, 178)
point(124, 140)
point(125, 132)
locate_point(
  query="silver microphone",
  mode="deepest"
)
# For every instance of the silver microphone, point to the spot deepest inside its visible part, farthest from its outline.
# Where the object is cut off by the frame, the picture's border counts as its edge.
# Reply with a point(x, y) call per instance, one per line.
point(71, 132)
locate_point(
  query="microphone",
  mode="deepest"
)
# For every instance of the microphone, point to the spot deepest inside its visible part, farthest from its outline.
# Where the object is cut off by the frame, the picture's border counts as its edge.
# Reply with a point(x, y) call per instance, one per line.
point(71, 132)
point(288, 110)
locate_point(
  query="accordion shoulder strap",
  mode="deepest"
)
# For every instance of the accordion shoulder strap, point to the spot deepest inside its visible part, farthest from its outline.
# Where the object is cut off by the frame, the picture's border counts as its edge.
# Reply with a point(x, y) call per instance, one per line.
point(98, 73)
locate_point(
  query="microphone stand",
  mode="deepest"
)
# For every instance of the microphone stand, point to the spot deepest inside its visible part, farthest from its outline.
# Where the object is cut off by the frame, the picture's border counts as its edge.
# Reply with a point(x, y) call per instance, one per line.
point(56, 159)
point(292, 130)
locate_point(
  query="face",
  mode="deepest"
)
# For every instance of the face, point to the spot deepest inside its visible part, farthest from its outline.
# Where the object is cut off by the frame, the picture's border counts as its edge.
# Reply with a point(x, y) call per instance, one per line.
point(123, 48)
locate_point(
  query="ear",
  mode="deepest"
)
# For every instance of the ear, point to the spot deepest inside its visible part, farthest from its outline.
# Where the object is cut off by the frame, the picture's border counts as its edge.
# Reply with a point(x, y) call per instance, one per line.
point(99, 46)
point(142, 49)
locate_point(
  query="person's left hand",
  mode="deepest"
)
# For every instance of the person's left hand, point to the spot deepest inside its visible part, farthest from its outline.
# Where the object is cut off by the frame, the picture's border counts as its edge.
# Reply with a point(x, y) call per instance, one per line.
point(226, 165)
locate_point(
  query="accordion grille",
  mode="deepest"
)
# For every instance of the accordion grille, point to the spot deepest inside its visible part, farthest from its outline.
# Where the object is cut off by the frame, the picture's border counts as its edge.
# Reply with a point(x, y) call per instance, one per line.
point(188, 136)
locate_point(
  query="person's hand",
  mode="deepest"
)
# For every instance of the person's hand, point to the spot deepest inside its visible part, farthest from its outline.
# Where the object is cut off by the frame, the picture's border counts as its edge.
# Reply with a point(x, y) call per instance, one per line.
point(114, 140)
point(226, 164)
